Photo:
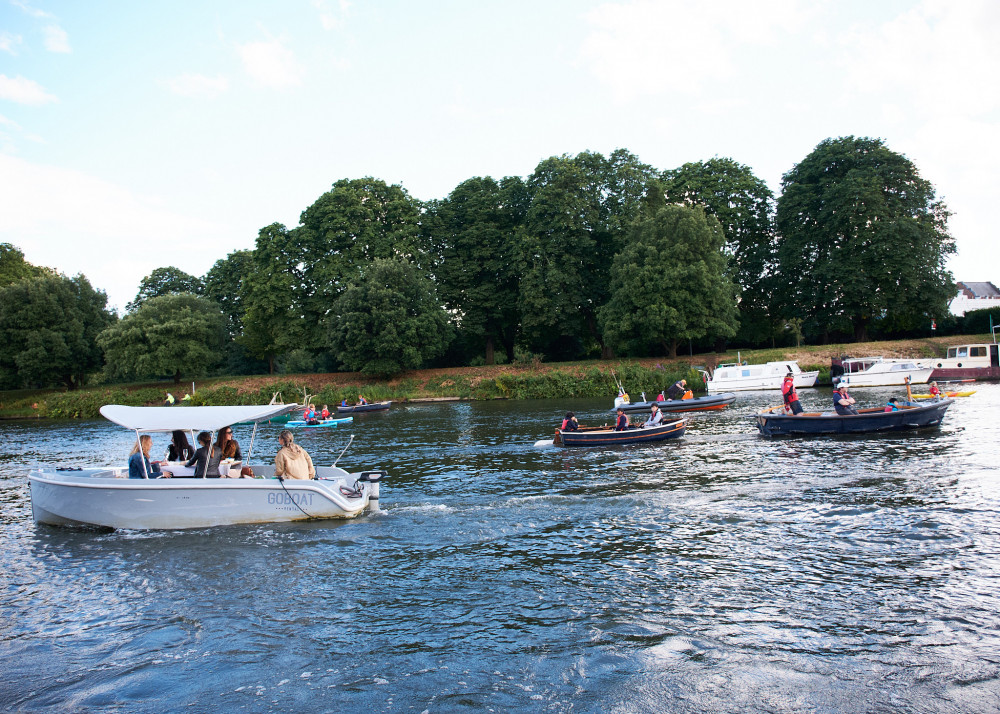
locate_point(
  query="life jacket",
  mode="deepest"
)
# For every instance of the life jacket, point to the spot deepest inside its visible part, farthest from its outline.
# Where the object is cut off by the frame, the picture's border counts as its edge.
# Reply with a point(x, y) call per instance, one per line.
point(688, 395)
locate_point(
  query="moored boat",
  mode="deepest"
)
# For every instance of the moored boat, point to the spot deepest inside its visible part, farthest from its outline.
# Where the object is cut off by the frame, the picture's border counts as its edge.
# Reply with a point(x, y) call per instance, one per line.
point(369, 407)
point(302, 423)
point(105, 495)
point(709, 402)
point(909, 416)
point(607, 436)
point(734, 377)
point(882, 372)
point(974, 361)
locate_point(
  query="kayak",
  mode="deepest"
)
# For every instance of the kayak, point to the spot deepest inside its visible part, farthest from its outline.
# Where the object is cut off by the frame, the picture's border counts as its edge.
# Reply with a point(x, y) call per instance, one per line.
point(324, 423)
point(967, 393)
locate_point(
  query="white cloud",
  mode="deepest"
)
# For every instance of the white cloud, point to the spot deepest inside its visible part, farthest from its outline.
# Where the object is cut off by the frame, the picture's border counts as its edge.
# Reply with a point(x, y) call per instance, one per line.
point(198, 85)
point(56, 39)
point(332, 19)
point(34, 12)
point(78, 223)
point(24, 91)
point(9, 42)
point(647, 47)
point(271, 64)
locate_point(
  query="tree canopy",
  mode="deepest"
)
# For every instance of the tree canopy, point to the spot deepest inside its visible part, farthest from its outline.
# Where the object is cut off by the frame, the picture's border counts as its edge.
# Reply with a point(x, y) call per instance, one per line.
point(390, 321)
point(862, 238)
point(48, 331)
point(165, 281)
point(169, 335)
point(14, 267)
point(670, 284)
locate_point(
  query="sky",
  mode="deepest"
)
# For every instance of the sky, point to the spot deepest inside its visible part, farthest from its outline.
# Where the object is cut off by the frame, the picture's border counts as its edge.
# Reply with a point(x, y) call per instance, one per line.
point(140, 135)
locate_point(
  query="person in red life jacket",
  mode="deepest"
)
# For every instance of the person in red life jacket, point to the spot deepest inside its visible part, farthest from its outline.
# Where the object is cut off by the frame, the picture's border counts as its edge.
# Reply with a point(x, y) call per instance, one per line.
point(935, 392)
point(570, 423)
point(309, 415)
point(622, 423)
point(324, 413)
point(790, 396)
point(362, 400)
point(660, 397)
point(892, 406)
point(843, 403)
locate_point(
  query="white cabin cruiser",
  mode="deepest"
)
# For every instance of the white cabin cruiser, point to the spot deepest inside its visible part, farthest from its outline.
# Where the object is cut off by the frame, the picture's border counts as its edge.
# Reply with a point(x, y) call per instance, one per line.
point(106, 496)
point(736, 377)
point(882, 372)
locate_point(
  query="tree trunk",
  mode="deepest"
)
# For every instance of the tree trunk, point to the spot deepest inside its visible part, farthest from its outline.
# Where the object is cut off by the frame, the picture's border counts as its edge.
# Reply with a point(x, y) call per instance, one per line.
point(860, 330)
point(490, 360)
point(270, 364)
point(673, 349)
point(177, 377)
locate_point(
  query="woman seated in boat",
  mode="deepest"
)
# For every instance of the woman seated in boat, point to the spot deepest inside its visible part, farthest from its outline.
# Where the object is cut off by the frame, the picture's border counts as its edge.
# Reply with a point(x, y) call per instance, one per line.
point(206, 459)
point(229, 446)
point(892, 406)
point(935, 392)
point(655, 416)
point(622, 423)
point(292, 461)
point(570, 423)
point(139, 465)
point(843, 403)
point(180, 448)
point(677, 389)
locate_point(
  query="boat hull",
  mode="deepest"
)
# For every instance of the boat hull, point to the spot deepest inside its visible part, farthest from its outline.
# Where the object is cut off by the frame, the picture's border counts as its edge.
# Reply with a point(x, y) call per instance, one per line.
point(301, 423)
point(943, 374)
point(751, 377)
point(373, 407)
point(708, 403)
point(869, 421)
point(103, 497)
point(597, 436)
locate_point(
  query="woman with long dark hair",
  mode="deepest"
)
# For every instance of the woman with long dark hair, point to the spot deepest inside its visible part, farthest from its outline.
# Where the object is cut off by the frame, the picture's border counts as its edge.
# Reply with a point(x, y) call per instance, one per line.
point(180, 448)
point(228, 445)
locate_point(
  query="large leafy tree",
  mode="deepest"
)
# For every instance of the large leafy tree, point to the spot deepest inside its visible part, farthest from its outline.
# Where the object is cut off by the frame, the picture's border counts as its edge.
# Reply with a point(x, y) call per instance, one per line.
point(48, 330)
point(862, 238)
point(670, 283)
point(579, 209)
point(472, 233)
point(225, 283)
point(744, 206)
point(165, 281)
point(390, 321)
point(14, 267)
point(169, 335)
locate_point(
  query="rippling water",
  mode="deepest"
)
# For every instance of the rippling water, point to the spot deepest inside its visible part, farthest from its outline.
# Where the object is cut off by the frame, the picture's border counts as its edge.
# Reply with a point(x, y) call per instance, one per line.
point(722, 572)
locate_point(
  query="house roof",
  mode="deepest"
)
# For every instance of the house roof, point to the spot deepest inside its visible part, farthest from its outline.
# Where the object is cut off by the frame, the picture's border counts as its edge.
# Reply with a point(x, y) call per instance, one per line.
point(982, 290)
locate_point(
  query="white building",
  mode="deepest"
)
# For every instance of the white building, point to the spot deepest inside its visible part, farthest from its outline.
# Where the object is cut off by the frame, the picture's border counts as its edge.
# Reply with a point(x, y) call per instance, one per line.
point(974, 296)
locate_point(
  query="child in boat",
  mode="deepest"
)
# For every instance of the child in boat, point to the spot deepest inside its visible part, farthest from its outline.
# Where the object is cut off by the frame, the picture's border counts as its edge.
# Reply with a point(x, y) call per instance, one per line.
point(892, 406)
point(622, 423)
point(570, 423)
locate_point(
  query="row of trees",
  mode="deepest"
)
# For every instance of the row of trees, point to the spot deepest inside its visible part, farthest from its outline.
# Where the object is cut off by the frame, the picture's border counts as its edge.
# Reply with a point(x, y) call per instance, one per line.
point(588, 256)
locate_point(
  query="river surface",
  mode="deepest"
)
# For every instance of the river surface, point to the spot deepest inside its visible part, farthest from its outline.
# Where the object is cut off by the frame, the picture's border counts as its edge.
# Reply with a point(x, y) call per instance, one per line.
point(720, 572)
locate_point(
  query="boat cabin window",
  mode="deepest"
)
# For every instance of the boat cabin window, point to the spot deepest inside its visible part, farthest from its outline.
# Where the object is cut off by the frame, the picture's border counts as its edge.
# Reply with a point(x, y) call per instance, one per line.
point(963, 351)
point(903, 367)
point(977, 351)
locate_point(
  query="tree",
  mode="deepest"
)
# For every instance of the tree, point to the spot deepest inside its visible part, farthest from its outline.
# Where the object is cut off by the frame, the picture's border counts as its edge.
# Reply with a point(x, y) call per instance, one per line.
point(862, 238)
point(14, 267)
point(473, 233)
point(48, 330)
point(390, 321)
point(224, 284)
point(165, 281)
point(670, 283)
point(743, 204)
point(171, 335)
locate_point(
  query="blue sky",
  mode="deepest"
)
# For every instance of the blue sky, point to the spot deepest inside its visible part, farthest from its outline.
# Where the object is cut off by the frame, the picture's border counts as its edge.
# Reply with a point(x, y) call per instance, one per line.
point(139, 135)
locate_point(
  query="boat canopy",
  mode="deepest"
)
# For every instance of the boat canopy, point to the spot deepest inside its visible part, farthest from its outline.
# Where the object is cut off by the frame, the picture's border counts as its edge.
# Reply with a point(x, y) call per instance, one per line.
point(163, 419)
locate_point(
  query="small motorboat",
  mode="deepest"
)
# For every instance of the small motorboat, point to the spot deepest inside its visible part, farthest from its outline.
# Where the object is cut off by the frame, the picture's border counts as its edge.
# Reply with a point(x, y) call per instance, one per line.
point(738, 376)
point(105, 496)
point(302, 423)
point(881, 372)
point(709, 402)
point(369, 407)
point(909, 416)
point(607, 436)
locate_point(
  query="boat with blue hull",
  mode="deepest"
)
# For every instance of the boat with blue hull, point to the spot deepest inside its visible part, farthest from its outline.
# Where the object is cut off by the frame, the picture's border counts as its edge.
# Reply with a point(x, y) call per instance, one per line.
point(607, 436)
point(303, 424)
point(910, 416)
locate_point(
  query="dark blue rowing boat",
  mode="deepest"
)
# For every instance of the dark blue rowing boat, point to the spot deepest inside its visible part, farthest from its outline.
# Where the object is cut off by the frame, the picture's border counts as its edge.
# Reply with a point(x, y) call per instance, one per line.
point(607, 436)
point(868, 421)
point(370, 407)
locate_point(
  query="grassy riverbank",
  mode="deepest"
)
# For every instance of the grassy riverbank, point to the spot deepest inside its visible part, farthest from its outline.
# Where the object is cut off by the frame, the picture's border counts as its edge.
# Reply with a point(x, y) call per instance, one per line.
point(535, 380)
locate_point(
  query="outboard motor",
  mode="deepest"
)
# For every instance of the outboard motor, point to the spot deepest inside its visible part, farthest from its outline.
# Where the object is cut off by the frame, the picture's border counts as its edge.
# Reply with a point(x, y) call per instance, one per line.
point(372, 478)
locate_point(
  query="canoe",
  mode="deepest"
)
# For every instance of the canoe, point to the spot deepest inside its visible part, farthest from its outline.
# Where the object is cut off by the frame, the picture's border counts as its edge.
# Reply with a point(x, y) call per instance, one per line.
point(371, 407)
point(293, 423)
point(709, 402)
point(910, 416)
point(607, 436)
point(950, 395)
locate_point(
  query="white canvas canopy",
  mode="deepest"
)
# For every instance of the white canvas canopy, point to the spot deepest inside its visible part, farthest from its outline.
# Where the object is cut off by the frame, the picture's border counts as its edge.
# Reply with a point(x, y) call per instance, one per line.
point(165, 419)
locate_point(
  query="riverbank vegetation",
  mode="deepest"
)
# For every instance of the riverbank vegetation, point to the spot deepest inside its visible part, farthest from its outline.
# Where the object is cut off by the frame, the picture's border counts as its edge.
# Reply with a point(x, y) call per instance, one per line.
point(589, 260)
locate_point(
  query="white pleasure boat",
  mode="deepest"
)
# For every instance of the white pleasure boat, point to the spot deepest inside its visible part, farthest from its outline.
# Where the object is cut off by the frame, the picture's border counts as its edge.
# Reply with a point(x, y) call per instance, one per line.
point(106, 496)
point(736, 377)
point(882, 372)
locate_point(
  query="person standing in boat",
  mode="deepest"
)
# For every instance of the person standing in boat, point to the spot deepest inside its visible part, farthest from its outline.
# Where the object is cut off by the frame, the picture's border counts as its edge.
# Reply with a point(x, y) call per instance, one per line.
point(180, 448)
point(843, 403)
point(677, 389)
point(206, 459)
point(139, 465)
point(789, 394)
point(655, 416)
point(622, 423)
point(228, 445)
point(292, 461)
point(570, 423)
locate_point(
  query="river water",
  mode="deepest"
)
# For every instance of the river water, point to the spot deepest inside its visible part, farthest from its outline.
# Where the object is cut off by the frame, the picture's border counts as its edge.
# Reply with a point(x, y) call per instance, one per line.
point(721, 572)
